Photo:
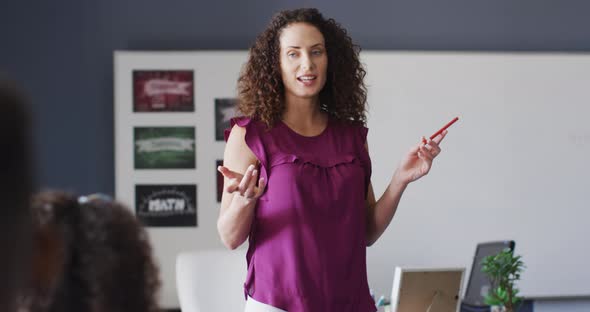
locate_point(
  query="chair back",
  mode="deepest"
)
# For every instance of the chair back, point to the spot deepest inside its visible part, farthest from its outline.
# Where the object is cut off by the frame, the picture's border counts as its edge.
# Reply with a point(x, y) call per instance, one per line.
point(211, 280)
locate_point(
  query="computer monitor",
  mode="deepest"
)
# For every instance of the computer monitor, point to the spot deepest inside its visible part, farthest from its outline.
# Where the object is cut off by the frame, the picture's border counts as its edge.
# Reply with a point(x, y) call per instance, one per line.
point(426, 289)
point(479, 284)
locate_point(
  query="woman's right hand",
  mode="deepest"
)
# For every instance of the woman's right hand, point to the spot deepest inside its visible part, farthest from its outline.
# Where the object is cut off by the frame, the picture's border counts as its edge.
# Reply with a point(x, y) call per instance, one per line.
point(243, 185)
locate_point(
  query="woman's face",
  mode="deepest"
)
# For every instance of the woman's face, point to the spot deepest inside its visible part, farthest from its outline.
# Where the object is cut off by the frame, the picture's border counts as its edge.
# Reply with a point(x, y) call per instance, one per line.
point(304, 61)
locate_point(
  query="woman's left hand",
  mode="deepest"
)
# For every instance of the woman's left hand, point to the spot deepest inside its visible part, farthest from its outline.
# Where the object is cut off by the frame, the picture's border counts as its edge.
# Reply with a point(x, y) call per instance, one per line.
point(418, 161)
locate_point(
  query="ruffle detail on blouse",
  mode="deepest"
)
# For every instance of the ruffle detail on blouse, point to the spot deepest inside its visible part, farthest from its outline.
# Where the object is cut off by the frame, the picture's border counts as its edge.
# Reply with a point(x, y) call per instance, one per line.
point(240, 121)
point(313, 160)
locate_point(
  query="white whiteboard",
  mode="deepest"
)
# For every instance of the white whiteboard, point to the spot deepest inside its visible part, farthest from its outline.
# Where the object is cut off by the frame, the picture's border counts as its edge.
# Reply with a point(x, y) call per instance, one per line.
point(515, 166)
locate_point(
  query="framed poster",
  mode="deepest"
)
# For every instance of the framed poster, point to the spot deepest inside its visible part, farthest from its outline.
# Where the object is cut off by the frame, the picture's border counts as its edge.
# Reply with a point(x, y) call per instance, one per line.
point(225, 109)
point(163, 91)
point(164, 147)
point(166, 205)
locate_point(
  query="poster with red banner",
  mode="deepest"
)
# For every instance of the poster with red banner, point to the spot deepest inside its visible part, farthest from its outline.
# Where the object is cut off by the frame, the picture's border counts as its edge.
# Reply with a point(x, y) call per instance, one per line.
point(163, 91)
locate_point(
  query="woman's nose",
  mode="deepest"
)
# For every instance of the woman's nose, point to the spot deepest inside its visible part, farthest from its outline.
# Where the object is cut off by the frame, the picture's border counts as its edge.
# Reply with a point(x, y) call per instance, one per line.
point(307, 63)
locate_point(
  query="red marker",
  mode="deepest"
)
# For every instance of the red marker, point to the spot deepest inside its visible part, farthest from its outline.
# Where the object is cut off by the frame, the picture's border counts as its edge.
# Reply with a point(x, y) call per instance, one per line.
point(441, 129)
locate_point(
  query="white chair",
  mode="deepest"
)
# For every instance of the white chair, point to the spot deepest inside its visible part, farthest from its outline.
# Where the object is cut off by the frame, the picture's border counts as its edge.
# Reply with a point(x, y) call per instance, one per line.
point(211, 280)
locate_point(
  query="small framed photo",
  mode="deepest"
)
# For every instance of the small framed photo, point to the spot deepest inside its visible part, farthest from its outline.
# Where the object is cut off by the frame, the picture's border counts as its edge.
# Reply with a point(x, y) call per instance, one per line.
point(163, 91)
point(225, 109)
point(166, 205)
point(164, 147)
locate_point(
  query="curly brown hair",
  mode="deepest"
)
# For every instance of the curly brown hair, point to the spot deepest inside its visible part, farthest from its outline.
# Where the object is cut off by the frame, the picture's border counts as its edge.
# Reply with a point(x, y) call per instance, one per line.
point(260, 88)
point(93, 256)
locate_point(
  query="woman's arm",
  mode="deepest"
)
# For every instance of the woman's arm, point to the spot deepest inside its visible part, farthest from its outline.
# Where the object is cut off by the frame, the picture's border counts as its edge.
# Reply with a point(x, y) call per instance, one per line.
point(240, 192)
point(416, 164)
point(380, 213)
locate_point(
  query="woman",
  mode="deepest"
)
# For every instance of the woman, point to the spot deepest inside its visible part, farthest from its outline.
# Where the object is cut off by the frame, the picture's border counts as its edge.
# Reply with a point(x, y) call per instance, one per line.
point(297, 170)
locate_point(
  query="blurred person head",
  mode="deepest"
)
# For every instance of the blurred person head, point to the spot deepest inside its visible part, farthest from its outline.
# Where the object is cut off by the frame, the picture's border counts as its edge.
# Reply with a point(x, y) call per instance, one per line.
point(15, 189)
point(91, 254)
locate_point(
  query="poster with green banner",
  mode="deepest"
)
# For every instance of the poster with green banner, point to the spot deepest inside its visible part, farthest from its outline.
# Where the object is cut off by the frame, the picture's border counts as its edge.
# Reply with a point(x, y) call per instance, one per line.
point(164, 147)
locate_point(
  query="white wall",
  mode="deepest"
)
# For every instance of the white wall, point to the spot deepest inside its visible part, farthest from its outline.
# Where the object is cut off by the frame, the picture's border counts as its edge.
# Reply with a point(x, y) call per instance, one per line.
point(514, 166)
point(215, 73)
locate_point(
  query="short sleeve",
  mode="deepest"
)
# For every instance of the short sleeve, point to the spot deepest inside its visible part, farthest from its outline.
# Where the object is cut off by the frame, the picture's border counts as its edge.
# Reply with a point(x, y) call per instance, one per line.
point(253, 139)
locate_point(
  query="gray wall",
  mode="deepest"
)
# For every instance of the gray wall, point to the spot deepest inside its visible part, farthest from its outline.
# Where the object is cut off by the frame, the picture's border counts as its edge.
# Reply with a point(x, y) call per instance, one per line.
point(61, 53)
point(562, 305)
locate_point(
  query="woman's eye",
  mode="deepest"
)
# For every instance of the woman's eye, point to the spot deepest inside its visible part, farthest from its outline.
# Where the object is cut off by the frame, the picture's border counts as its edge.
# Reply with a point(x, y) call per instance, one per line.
point(291, 54)
point(317, 52)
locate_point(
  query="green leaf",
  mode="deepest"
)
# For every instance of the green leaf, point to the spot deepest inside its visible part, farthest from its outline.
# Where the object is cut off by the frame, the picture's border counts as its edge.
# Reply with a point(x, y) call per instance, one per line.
point(503, 269)
point(490, 300)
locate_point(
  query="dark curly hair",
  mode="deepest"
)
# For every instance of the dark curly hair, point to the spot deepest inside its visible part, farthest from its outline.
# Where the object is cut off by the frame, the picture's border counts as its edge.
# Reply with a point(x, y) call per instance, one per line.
point(260, 88)
point(93, 256)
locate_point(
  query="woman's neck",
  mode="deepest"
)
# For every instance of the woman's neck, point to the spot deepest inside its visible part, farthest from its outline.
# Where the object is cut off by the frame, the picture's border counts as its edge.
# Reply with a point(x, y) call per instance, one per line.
point(303, 113)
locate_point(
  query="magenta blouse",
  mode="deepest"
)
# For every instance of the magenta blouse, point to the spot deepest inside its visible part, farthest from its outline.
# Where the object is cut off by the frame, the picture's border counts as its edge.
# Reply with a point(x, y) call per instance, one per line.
point(307, 245)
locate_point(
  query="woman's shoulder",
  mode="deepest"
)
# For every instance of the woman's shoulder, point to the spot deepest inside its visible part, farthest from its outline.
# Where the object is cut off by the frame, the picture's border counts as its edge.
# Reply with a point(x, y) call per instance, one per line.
point(248, 124)
point(242, 121)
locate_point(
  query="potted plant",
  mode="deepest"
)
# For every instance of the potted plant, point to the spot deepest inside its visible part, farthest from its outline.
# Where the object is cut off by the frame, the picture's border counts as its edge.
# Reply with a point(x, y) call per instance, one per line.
point(503, 270)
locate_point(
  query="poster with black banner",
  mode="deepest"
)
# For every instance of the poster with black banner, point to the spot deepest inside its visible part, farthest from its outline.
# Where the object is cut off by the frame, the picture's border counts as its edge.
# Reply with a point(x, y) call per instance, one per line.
point(166, 205)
